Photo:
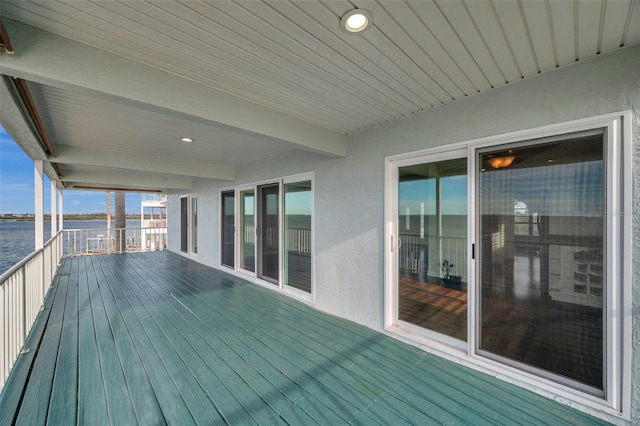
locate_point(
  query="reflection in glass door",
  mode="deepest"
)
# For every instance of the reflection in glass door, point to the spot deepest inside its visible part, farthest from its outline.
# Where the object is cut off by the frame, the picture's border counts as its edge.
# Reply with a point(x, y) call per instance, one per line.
point(194, 224)
point(432, 253)
point(269, 233)
point(247, 230)
point(297, 235)
point(542, 258)
point(228, 228)
point(184, 224)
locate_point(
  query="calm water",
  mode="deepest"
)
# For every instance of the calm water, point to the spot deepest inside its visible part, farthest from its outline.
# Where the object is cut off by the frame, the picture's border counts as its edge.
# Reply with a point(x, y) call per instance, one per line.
point(17, 239)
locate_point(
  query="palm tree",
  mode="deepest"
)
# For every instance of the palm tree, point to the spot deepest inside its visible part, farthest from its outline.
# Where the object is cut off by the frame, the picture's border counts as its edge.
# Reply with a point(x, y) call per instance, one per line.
point(121, 222)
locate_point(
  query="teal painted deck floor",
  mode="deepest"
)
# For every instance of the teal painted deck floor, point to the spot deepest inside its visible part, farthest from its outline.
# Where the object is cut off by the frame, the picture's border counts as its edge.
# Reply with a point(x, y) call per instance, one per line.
point(154, 338)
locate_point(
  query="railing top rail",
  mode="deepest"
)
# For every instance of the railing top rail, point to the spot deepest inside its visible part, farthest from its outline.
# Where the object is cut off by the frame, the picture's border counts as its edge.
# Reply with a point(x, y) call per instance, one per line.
point(9, 272)
point(104, 228)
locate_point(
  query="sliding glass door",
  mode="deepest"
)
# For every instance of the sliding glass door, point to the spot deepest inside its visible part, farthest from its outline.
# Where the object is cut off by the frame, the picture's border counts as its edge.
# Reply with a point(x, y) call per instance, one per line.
point(269, 233)
point(227, 206)
point(247, 235)
point(512, 253)
point(541, 252)
point(193, 218)
point(184, 224)
point(297, 235)
point(432, 246)
point(189, 224)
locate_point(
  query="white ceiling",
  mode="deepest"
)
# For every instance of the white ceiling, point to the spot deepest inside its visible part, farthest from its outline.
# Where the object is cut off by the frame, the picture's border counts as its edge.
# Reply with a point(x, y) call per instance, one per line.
point(290, 57)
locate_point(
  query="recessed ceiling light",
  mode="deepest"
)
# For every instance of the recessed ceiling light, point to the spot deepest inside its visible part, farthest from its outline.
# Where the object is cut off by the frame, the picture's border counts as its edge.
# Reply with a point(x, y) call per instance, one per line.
point(356, 21)
point(186, 139)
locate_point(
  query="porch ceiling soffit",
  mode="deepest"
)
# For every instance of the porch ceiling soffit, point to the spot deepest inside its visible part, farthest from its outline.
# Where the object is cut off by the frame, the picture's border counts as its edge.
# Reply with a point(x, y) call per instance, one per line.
point(93, 157)
point(123, 179)
point(56, 61)
point(13, 119)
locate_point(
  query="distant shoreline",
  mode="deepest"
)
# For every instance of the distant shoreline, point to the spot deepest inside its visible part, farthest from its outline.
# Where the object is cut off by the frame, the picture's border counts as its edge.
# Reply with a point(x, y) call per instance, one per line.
point(91, 216)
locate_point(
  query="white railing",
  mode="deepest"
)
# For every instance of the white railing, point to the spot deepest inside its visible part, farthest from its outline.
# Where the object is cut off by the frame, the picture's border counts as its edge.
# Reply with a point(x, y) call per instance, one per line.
point(417, 256)
point(23, 289)
point(78, 242)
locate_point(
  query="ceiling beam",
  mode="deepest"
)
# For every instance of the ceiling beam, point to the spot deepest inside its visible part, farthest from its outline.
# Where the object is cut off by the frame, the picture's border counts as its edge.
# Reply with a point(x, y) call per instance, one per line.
point(111, 188)
point(60, 62)
point(16, 122)
point(5, 43)
point(127, 179)
point(94, 157)
point(30, 106)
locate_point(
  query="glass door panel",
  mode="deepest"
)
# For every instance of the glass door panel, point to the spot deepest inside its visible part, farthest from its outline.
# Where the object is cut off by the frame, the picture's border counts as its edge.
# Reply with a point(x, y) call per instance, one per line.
point(432, 253)
point(247, 231)
point(269, 235)
point(184, 224)
point(194, 225)
point(297, 235)
point(541, 248)
point(228, 228)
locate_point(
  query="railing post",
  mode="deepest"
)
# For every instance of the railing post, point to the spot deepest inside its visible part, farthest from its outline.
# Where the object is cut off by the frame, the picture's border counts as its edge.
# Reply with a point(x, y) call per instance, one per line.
point(24, 302)
point(42, 263)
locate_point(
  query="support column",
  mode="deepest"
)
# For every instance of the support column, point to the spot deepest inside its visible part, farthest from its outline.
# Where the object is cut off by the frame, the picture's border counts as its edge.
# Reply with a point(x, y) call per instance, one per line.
point(54, 218)
point(109, 222)
point(38, 190)
point(60, 206)
point(439, 221)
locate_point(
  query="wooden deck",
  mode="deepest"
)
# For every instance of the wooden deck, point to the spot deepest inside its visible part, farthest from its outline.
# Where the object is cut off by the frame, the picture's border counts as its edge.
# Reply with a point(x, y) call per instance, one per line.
point(154, 338)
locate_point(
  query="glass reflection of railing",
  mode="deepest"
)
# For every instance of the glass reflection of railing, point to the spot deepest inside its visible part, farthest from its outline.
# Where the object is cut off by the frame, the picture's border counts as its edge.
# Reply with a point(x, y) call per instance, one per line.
point(77, 242)
point(415, 255)
point(295, 239)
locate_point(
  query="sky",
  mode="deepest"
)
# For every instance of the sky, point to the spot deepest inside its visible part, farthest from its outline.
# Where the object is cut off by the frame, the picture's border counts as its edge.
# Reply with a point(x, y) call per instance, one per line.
point(413, 193)
point(17, 192)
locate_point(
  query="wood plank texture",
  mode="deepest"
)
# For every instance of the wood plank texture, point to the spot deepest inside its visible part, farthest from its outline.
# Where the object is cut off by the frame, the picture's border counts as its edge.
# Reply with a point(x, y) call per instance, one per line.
point(155, 338)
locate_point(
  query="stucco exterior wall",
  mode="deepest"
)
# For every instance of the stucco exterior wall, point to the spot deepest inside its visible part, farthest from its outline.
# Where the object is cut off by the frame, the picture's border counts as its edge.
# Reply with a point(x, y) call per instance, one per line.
point(349, 192)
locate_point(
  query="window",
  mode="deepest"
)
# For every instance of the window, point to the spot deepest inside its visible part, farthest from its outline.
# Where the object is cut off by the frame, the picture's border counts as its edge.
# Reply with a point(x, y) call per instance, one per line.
point(189, 224)
point(538, 289)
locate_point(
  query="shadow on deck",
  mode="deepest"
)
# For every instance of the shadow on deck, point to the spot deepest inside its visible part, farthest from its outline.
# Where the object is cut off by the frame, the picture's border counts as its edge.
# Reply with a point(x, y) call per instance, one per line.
point(155, 338)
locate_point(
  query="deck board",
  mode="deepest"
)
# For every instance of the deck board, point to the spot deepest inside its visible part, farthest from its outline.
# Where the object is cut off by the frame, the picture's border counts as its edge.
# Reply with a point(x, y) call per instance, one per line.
point(62, 410)
point(92, 403)
point(144, 404)
point(38, 392)
point(155, 338)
